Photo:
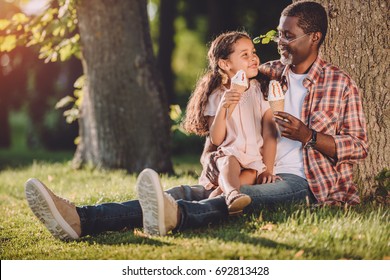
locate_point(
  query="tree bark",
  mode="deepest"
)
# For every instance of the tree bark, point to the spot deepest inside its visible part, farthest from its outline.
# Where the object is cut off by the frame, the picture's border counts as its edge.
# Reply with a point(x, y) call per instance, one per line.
point(124, 118)
point(222, 16)
point(358, 42)
point(166, 45)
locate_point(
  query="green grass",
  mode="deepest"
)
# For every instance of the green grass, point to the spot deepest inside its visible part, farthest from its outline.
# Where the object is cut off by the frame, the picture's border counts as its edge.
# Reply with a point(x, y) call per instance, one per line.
point(284, 233)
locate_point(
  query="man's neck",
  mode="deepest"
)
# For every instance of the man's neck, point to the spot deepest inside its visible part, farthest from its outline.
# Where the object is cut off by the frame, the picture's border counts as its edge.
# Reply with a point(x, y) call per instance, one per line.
point(304, 67)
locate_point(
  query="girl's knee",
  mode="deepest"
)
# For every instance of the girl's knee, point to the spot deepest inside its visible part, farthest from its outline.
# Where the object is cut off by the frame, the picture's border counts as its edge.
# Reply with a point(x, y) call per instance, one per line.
point(228, 161)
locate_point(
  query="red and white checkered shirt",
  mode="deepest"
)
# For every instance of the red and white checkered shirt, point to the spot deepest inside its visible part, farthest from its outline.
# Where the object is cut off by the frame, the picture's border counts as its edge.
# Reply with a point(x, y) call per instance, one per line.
point(332, 106)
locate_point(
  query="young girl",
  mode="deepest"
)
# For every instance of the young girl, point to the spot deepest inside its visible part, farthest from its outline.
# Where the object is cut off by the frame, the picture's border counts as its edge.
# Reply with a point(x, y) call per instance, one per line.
point(246, 140)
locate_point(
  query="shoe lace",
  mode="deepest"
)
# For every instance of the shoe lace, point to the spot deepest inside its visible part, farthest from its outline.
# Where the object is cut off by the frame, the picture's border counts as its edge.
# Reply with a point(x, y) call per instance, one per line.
point(61, 198)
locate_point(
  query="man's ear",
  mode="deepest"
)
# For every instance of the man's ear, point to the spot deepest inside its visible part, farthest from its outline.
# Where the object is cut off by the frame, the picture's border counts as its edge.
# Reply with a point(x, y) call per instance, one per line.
point(224, 65)
point(316, 38)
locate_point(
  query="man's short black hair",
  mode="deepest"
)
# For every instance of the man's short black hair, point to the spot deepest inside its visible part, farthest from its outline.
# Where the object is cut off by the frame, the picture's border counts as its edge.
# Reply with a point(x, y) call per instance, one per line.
point(311, 16)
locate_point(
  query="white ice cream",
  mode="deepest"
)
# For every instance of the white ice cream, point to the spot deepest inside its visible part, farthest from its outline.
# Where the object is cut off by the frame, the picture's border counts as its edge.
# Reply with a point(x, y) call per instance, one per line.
point(240, 79)
point(275, 91)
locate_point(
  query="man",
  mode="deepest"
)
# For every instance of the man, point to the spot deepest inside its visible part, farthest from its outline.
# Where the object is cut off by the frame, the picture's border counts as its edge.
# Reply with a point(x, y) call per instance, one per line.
point(323, 134)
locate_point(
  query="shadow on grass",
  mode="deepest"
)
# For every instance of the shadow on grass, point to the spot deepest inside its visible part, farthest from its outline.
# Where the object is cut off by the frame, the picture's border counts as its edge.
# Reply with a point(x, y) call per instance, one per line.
point(245, 230)
point(122, 238)
point(229, 230)
point(233, 230)
point(22, 158)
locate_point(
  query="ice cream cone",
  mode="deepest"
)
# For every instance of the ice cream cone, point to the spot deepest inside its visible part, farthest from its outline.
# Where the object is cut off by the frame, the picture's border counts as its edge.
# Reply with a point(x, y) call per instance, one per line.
point(239, 83)
point(275, 96)
point(277, 105)
point(239, 89)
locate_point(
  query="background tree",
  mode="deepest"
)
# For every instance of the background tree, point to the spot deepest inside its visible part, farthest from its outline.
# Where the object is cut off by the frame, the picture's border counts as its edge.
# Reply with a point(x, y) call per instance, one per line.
point(222, 16)
point(358, 41)
point(13, 78)
point(13, 82)
point(166, 46)
point(124, 117)
point(32, 86)
point(121, 106)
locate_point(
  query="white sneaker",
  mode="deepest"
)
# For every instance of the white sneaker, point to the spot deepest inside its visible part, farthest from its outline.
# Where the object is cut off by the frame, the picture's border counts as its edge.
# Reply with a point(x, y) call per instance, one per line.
point(159, 209)
point(58, 214)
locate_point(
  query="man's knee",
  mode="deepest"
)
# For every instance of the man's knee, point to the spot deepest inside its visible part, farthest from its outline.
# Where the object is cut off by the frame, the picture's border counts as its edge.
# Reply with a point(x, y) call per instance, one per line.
point(190, 193)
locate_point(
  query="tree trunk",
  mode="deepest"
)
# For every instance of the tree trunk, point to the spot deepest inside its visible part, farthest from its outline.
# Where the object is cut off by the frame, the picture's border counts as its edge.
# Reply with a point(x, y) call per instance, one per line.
point(222, 16)
point(166, 45)
point(358, 42)
point(124, 118)
point(45, 78)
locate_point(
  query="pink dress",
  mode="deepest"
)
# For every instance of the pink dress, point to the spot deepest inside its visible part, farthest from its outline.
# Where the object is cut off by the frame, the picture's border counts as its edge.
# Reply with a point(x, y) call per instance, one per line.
point(244, 129)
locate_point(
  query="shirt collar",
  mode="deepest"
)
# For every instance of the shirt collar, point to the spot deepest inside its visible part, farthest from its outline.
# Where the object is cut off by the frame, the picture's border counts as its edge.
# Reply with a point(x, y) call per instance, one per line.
point(312, 76)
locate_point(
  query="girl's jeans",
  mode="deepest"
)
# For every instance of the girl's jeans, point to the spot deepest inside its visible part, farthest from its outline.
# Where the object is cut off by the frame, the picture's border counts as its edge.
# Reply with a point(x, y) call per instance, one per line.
point(195, 207)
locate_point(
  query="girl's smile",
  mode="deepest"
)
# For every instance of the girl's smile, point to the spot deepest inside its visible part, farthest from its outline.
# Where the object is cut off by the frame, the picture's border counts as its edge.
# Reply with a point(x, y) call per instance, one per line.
point(244, 58)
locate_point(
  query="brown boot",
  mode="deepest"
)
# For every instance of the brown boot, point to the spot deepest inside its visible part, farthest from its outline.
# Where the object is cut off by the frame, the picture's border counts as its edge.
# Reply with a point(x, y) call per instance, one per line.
point(57, 214)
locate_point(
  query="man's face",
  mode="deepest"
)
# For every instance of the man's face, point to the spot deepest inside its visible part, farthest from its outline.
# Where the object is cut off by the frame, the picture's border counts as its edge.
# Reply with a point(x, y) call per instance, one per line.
point(294, 44)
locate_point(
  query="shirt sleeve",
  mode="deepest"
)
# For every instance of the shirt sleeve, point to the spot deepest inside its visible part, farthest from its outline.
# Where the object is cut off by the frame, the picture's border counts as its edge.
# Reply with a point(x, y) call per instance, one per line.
point(351, 141)
point(213, 103)
point(272, 69)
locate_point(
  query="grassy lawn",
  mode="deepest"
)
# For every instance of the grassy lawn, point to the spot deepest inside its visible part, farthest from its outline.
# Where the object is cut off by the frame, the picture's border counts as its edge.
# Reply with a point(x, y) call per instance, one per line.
point(284, 233)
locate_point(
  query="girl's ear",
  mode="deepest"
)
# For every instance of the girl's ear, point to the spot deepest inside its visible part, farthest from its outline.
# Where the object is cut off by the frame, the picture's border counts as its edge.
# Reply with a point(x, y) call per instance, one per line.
point(223, 64)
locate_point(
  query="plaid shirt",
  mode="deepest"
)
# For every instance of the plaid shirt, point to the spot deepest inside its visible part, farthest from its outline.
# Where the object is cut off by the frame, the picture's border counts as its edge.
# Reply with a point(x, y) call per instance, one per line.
point(332, 106)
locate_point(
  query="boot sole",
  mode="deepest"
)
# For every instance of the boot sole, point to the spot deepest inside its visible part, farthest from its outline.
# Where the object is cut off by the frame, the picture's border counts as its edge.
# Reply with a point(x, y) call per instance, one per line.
point(151, 198)
point(42, 205)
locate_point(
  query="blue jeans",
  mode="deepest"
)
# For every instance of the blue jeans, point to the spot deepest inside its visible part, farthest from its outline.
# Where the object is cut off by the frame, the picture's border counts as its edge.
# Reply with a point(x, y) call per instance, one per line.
point(195, 207)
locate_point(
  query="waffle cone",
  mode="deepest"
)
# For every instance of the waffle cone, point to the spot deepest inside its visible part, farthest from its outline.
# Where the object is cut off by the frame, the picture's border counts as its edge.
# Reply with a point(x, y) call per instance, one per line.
point(239, 89)
point(277, 105)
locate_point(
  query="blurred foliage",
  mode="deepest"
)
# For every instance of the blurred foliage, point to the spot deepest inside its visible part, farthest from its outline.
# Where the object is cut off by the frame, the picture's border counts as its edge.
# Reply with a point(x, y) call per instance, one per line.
point(188, 65)
point(153, 10)
point(54, 32)
point(266, 38)
point(183, 142)
point(176, 115)
point(54, 35)
point(73, 113)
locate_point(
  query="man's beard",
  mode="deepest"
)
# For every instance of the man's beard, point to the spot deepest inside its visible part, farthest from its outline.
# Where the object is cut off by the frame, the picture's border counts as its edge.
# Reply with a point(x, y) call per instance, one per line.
point(286, 60)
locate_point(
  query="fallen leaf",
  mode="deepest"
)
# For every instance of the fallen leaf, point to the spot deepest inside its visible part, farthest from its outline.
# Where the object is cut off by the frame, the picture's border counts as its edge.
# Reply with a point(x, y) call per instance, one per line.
point(299, 253)
point(140, 233)
point(268, 227)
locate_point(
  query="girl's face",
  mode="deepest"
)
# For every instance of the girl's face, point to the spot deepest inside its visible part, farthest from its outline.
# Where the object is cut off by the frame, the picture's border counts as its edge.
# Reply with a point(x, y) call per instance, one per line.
point(244, 58)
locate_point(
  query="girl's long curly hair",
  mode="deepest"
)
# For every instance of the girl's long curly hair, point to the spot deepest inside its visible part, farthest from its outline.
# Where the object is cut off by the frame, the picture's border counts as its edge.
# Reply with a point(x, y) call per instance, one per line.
point(220, 48)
